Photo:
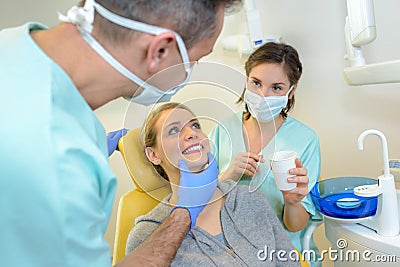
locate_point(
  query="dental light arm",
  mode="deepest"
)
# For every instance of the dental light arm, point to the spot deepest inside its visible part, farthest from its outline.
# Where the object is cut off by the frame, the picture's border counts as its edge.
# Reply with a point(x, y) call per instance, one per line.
point(254, 24)
point(360, 29)
point(246, 43)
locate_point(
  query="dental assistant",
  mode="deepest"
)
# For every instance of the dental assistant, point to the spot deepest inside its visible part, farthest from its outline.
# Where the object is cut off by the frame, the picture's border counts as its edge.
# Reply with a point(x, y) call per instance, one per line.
point(273, 72)
point(57, 185)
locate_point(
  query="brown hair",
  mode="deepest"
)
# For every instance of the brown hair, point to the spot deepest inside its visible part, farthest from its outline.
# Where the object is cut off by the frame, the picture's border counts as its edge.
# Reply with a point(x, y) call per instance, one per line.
point(149, 133)
point(279, 53)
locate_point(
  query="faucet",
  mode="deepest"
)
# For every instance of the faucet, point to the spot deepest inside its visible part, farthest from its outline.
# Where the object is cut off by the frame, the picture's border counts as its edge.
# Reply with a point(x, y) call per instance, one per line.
point(386, 219)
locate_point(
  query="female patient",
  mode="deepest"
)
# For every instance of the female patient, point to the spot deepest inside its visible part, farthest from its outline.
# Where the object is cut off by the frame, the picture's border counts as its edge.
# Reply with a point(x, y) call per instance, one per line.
point(234, 226)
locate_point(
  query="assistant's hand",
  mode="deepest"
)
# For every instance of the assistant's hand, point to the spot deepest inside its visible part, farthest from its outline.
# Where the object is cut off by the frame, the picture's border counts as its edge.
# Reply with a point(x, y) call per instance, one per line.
point(196, 189)
point(243, 163)
point(113, 138)
point(296, 195)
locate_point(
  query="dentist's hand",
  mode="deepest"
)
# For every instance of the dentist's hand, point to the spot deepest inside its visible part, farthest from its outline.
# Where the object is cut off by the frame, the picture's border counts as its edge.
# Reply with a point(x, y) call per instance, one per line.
point(196, 189)
point(296, 195)
point(113, 138)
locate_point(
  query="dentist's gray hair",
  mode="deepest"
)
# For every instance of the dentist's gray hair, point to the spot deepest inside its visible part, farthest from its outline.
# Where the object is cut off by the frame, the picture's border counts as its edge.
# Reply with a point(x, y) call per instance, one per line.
point(193, 20)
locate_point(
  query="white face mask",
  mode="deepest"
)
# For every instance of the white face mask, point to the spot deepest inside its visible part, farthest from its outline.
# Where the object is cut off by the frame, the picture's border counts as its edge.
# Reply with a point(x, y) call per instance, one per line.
point(83, 18)
point(265, 109)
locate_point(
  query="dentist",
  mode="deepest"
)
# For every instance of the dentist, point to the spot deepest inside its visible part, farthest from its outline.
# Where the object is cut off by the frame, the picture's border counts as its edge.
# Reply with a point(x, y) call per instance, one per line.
point(57, 185)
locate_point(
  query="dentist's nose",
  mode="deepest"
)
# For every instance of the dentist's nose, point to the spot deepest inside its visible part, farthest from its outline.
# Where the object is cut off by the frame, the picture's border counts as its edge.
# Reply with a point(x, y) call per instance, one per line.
point(263, 91)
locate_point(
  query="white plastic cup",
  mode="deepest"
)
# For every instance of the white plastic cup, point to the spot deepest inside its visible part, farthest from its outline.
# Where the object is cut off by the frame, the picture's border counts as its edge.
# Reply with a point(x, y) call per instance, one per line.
point(282, 183)
point(281, 162)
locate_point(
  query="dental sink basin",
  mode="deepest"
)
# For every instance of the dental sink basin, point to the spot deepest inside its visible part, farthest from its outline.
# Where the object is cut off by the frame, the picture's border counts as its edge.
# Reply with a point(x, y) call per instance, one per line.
point(334, 197)
point(356, 238)
point(372, 240)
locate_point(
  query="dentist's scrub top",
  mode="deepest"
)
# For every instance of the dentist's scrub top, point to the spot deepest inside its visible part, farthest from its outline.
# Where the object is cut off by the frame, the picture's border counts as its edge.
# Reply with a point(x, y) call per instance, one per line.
point(292, 135)
point(57, 187)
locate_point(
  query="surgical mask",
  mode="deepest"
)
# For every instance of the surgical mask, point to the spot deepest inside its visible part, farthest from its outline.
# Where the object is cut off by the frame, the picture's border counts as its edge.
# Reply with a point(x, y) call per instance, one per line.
point(83, 18)
point(265, 109)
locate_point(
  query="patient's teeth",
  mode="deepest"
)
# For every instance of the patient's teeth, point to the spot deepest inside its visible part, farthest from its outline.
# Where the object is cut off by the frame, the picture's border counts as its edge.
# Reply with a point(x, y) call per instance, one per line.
point(198, 147)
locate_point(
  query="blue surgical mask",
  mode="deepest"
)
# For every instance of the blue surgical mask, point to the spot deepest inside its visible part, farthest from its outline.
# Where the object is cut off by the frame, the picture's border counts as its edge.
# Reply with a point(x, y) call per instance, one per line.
point(83, 18)
point(265, 109)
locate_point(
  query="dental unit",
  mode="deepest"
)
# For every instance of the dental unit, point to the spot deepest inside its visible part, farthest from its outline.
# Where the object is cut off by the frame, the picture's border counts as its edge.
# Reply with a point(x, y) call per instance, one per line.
point(360, 29)
point(365, 217)
point(386, 219)
point(253, 37)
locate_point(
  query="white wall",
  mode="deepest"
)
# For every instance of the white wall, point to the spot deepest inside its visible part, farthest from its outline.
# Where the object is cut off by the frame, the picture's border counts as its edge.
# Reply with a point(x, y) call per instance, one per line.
point(336, 111)
point(14, 13)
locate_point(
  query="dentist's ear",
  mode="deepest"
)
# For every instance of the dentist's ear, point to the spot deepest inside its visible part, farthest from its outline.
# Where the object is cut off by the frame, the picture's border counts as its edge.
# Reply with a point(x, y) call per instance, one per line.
point(159, 50)
point(291, 94)
point(152, 156)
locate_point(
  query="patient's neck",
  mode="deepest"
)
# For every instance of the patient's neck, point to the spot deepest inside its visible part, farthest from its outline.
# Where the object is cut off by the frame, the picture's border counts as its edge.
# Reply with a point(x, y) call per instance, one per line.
point(209, 219)
point(174, 197)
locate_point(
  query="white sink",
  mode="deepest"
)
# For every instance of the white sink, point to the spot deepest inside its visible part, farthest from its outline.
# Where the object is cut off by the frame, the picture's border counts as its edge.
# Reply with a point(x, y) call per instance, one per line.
point(361, 239)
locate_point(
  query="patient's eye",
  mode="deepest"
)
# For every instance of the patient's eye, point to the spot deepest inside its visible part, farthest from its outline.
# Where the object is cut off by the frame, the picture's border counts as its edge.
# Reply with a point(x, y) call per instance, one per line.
point(196, 125)
point(174, 130)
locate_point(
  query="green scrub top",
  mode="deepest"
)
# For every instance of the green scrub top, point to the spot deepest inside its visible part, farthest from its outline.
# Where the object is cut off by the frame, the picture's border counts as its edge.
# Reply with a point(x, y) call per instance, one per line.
point(292, 135)
point(56, 181)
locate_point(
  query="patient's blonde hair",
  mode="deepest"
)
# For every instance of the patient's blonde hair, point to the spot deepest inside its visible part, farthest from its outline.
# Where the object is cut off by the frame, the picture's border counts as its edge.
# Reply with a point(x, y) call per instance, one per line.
point(149, 133)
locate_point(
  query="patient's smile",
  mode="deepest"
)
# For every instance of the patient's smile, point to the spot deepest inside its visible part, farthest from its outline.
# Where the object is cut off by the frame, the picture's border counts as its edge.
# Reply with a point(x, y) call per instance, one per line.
point(195, 148)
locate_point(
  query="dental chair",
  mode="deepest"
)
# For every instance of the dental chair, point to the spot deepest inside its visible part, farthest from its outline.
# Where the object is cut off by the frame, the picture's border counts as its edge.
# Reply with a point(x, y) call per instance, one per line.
point(150, 190)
